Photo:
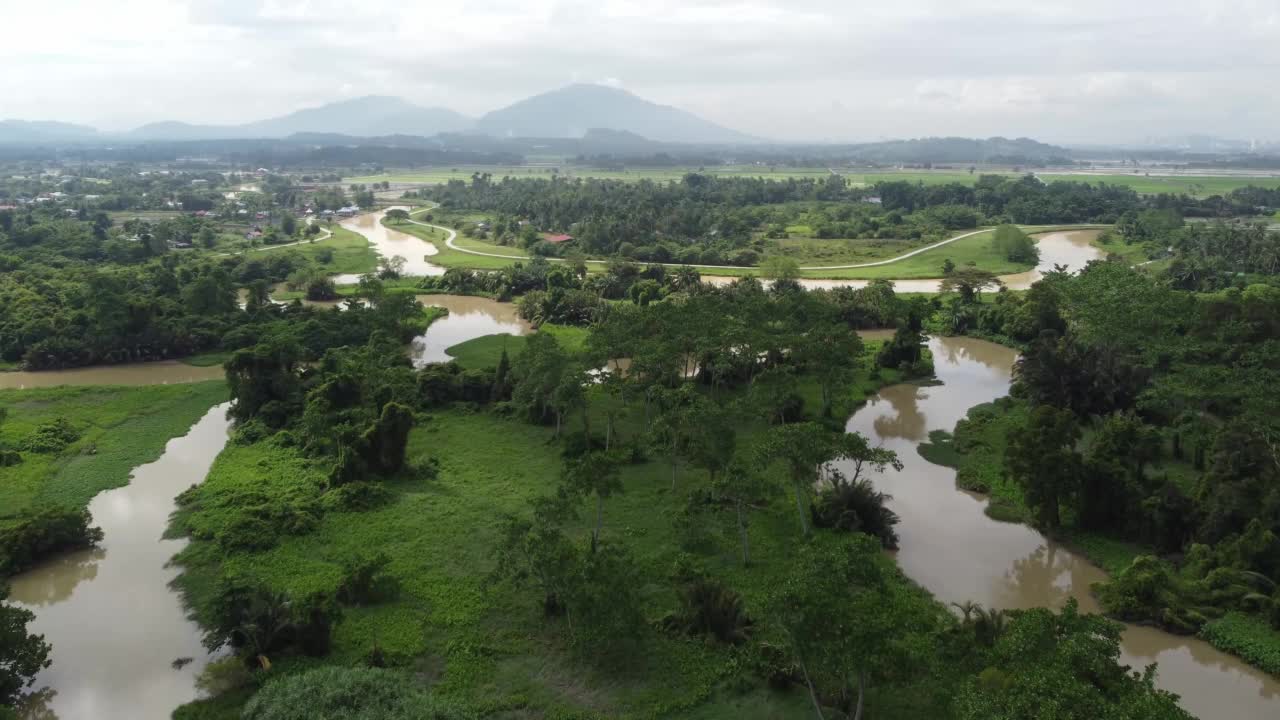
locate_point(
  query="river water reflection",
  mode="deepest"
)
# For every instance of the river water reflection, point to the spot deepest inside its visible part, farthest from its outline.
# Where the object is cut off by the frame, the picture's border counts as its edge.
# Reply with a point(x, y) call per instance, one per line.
point(469, 318)
point(952, 548)
point(115, 625)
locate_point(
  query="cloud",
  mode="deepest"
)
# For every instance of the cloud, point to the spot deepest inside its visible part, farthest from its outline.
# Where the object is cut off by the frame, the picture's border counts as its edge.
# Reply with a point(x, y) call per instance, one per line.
point(789, 69)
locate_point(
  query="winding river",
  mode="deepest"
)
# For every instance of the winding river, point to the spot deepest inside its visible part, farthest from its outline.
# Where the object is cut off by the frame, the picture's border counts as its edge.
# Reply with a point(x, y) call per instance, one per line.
point(392, 243)
point(115, 626)
point(952, 548)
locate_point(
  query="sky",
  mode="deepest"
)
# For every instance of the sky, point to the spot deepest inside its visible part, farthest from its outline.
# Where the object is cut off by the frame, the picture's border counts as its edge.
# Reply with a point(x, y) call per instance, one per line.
point(807, 70)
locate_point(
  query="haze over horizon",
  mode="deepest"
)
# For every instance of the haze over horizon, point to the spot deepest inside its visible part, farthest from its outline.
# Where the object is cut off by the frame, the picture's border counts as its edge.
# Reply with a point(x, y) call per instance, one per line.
point(789, 70)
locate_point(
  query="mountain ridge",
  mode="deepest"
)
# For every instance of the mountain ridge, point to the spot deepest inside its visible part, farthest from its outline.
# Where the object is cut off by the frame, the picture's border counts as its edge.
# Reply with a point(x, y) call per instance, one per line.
point(567, 112)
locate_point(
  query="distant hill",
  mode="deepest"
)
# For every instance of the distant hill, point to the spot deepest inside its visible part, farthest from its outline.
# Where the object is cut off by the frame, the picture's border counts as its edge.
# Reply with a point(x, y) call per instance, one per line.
point(370, 116)
point(24, 131)
point(961, 150)
point(571, 111)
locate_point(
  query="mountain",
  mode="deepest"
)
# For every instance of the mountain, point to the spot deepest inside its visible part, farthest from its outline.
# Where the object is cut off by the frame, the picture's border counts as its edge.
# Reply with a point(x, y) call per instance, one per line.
point(572, 111)
point(962, 150)
point(369, 116)
point(24, 131)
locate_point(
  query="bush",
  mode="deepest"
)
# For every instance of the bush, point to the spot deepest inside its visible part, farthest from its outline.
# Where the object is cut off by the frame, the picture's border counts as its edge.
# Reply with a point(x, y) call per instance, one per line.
point(334, 693)
point(365, 580)
point(42, 533)
point(51, 437)
point(709, 607)
point(857, 507)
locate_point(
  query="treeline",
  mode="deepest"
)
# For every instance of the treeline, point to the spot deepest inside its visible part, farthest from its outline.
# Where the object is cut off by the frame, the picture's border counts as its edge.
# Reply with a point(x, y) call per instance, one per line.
point(78, 293)
point(727, 220)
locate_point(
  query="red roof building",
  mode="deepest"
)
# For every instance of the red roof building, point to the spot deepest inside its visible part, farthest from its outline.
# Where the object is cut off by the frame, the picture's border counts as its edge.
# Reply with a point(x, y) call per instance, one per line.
point(557, 238)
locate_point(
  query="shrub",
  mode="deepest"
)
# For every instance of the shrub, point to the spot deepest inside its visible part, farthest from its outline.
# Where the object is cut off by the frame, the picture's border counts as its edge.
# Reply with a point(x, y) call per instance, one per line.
point(334, 693)
point(709, 607)
point(37, 535)
point(51, 437)
point(365, 580)
point(856, 507)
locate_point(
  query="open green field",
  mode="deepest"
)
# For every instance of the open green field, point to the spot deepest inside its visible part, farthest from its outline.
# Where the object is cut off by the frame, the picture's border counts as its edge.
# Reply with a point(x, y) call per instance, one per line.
point(351, 251)
point(120, 428)
point(1198, 185)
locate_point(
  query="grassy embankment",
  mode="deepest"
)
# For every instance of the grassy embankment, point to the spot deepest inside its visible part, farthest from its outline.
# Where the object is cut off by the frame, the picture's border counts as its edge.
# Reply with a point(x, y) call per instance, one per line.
point(120, 428)
point(976, 451)
point(1197, 185)
point(485, 643)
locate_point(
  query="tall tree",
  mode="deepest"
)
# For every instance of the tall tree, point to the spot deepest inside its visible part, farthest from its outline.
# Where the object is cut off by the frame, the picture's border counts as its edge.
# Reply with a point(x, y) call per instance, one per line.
point(1041, 458)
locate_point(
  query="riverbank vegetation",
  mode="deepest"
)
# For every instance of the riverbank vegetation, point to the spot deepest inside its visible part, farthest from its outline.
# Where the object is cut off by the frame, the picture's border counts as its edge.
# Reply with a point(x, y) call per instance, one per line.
point(1142, 427)
point(62, 446)
point(661, 538)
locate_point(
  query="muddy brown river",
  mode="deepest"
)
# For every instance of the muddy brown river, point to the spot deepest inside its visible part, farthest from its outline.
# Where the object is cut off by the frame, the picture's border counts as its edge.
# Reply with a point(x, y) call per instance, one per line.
point(392, 243)
point(952, 548)
point(469, 318)
point(115, 626)
point(161, 372)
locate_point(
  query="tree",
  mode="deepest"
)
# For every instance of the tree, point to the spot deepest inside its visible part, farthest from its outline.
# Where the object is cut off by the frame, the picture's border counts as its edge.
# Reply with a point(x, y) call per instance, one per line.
point(807, 447)
point(969, 282)
point(1015, 245)
point(744, 488)
point(537, 550)
point(397, 215)
point(22, 655)
point(846, 620)
point(780, 267)
point(288, 224)
point(537, 371)
point(830, 352)
point(1064, 666)
point(596, 473)
point(1041, 458)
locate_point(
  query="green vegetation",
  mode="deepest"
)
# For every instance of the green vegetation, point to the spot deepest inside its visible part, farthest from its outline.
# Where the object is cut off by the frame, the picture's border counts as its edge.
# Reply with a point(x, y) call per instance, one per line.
point(549, 541)
point(1248, 636)
point(65, 445)
point(117, 429)
point(485, 352)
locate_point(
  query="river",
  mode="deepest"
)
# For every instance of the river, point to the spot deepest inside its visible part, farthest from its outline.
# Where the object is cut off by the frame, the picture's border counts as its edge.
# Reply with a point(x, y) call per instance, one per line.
point(392, 243)
point(469, 318)
point(115, 625)
point(951, 547)
point(160, 372)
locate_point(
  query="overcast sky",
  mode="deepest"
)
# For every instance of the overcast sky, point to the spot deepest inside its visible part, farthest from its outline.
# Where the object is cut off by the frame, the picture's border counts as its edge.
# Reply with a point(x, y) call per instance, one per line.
point(1085, 70)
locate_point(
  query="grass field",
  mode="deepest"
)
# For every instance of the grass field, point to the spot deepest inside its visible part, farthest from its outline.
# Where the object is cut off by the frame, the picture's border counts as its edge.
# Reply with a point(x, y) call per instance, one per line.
point(1199, 185)
point(120, 428)
point(485, 352)
point(487, 642)
point(351, 251)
